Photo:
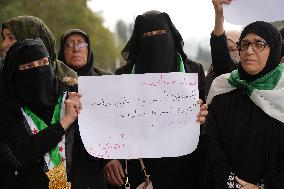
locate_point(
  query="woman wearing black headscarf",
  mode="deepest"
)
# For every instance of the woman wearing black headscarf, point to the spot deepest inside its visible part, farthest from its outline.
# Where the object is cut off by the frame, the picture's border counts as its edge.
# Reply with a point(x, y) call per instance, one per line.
point(75, 51)
point(282, 51)
point(29, 27)
point(37, 118)
point(242, 145)
point(156, 46)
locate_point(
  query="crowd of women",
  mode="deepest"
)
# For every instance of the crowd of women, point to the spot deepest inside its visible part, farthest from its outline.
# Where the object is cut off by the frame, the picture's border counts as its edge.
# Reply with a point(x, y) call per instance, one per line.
point(241, 142)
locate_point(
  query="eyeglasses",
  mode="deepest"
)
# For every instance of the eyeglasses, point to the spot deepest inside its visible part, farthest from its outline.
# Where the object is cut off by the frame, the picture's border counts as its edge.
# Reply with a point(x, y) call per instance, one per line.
point(70, 45)
point(257, 45)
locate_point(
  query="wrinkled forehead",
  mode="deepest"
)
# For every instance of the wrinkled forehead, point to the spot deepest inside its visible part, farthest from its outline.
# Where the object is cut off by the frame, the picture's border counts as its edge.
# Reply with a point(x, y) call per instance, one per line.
point(74, 37)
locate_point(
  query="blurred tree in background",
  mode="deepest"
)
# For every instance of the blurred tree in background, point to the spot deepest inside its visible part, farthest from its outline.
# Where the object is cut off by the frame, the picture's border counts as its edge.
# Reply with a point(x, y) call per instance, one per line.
point(123, 32)
point(278, 24)
point(61, 15)
point(204, 57)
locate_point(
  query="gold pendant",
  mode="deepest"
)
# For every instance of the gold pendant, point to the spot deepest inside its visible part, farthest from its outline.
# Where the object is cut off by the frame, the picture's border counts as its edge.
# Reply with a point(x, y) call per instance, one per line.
point(58, 178)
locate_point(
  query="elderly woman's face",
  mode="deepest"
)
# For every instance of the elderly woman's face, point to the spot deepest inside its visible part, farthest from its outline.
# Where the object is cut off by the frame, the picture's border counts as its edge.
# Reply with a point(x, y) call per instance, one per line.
point(254, 53)
point(76, 51)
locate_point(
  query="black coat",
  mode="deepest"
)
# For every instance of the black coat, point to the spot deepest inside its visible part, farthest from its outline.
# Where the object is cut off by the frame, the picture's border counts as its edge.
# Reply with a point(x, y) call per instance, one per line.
point(21, 154)
point(240, 138)
point(221, 60)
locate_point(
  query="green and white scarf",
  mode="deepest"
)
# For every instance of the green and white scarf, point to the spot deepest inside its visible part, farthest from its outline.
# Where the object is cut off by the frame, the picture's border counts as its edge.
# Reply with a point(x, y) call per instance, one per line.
point(57, 155)
point(266, 92)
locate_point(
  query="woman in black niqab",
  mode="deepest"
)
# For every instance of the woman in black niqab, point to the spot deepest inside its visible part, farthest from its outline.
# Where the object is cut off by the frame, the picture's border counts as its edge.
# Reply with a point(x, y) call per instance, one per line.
point(35, 87)
point(37, 124)
point(155, 46)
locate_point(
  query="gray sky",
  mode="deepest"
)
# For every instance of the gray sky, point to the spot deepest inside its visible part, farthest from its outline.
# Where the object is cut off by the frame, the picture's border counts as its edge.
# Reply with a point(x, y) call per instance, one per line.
point(194, 19)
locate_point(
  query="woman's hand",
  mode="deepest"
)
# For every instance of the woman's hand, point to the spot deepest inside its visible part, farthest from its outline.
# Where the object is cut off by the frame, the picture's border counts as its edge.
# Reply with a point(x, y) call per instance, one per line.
point(114, 173)
point(203, 112)
point(72, 109)
point(245, 185)
point(218, 5)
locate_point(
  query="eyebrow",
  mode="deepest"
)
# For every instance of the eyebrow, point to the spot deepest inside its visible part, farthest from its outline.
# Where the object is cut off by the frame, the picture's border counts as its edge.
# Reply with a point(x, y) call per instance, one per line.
point(73, 41)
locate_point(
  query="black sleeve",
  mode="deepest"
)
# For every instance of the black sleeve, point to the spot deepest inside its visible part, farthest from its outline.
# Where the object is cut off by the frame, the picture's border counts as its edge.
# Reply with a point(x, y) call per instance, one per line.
point(274, 177)
point(215, 171)
point(221, 58)
point(86, 169)
point(201, 83)
point(29, 148)
point(125, 69)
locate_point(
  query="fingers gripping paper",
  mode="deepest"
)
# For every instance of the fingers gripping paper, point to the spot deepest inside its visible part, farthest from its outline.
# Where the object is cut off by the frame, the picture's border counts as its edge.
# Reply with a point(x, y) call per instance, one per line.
point(139, 115)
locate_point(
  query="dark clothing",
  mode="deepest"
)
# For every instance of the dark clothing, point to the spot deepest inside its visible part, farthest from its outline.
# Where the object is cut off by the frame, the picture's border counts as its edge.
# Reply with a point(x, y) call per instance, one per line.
point(221, 60)
point(28, 149)
point(30, 27)
point(24, 167)
point(158, 48)
point(239, 137)
point(22, 152)
point(155, 44)
point(1, 63)
point(88, 169)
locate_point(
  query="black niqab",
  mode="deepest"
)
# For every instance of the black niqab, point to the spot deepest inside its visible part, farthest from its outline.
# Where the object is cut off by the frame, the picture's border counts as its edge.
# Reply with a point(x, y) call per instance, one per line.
point(36, 87)
point(154, 53)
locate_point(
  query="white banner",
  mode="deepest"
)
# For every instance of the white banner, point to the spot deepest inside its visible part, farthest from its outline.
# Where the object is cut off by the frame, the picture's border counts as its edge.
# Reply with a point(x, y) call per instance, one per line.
point(139, 115)
point(243, 12)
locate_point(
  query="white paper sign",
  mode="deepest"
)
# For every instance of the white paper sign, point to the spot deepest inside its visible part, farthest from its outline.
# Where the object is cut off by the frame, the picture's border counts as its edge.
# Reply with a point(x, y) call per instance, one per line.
point(139, 115)
point(243, 12)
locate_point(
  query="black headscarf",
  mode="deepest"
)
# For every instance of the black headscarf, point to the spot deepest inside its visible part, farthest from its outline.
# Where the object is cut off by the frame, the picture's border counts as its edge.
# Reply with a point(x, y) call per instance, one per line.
point(87, 69)
point(36, 87)
point(273, 38)
point(156, 53)
point(282, 35)
point(30, 27)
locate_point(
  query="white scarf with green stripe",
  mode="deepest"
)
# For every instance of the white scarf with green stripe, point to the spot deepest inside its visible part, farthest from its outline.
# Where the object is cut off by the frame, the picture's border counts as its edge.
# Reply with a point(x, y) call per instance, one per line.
point(60, 146)
point(266, 92)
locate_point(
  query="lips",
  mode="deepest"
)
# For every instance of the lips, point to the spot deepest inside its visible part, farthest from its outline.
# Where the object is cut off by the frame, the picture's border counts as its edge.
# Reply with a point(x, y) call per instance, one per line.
point(76, 57)
point(249, 61)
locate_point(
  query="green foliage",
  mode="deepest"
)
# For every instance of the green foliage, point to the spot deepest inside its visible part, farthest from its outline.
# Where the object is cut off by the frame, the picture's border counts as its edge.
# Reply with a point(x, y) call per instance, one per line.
point(204, 57)
point(278, 24)
point(61, 15)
